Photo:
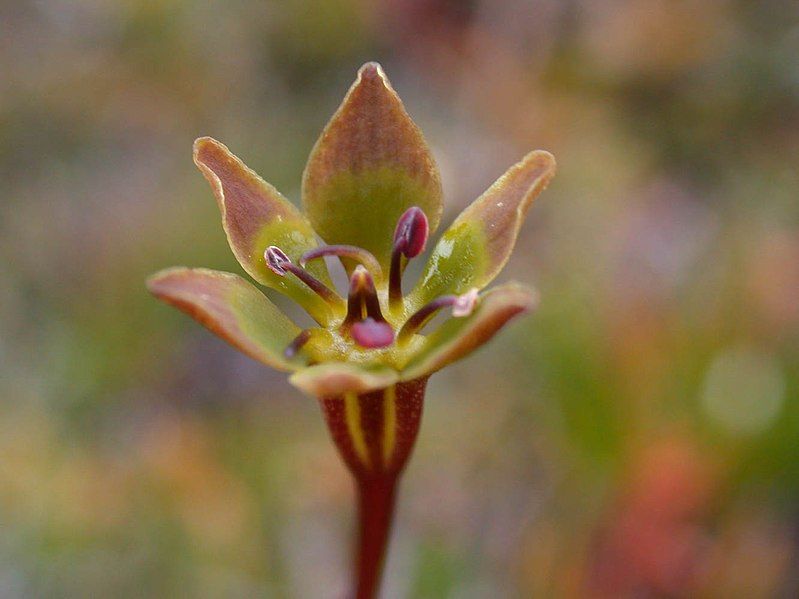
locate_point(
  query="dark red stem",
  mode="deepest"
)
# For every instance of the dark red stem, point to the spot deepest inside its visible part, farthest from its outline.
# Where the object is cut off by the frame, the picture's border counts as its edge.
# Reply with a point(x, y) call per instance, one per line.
point(375, 514)
point(375, 434)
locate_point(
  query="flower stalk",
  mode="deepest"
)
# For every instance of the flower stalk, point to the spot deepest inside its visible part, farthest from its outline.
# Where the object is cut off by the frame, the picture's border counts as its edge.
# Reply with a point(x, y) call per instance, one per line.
point(376, 500)
point(375, 433)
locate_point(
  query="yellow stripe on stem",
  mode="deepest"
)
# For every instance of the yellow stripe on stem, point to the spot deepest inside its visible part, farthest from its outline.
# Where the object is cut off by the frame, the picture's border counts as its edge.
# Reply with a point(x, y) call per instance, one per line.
point(353, 415)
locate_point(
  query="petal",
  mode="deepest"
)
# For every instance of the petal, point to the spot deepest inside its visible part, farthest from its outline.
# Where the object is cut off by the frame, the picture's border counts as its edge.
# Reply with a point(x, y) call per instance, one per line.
point(255, 215)
point(337, 378)
point(478, 244)
point(231, 308)
point(370, 164)
point(458, 337)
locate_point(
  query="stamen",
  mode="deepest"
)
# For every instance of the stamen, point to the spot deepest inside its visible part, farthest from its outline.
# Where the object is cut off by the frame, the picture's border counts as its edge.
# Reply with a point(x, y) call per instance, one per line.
point(462, 305)
point(297, 344)
point(277, 260)
point(360, 255)
point(280, 264)
point(362, 301)
point(372, 334)
point(410, 238)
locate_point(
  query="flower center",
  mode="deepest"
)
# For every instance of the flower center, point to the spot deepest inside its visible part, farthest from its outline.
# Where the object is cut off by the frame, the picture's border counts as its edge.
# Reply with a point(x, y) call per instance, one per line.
point(364, 322)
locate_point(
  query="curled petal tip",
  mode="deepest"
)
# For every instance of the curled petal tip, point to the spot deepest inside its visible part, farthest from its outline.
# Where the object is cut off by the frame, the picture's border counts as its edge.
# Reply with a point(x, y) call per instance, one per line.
point(201, 142)
point(547, 159)
point(372, 70)
point(254, 215)
point(370, 164)
point(478, 244)
point(372, 334)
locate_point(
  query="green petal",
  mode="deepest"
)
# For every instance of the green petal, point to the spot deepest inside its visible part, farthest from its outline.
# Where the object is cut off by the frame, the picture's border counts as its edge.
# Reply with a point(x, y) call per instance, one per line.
point(231, 308)
point(336, 378)
point(478, 244)
point(458, 337)
point(370, 164)
point(255, 215)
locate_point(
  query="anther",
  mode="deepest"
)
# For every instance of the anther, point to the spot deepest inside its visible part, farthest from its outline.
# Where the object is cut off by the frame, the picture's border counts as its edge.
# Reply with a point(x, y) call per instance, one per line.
point(410, 238)
point(280, 264)
point(353, 252)
point(462, 306)
point(297, 343)
point(277, 260)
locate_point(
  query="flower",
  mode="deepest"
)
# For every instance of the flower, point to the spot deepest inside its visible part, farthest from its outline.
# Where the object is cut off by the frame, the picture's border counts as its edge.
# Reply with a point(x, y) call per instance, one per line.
point(371, 191)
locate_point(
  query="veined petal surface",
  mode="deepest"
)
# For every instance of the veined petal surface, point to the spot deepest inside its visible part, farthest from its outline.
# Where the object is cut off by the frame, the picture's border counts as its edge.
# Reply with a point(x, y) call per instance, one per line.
point(255, 215)
point(370, 164)
point(231, 308)
point(478, 244)
point(458, 337)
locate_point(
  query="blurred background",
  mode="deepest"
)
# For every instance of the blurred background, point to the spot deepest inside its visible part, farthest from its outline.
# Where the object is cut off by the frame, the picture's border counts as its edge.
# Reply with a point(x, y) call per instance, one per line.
point(637, 437)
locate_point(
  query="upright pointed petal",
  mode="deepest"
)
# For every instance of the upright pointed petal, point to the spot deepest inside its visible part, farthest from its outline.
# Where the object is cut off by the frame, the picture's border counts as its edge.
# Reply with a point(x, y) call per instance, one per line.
point(336, 378)
point(478, 244)
point(370, 164)
point(458, 337)
point(231, 308)
point(255, 215)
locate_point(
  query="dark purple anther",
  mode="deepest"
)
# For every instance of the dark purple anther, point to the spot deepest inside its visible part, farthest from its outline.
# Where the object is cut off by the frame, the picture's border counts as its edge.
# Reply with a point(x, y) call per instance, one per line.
point(372, 334)
point(276, 260)
point(410, 236)
point(279, 263)
point(462, 306)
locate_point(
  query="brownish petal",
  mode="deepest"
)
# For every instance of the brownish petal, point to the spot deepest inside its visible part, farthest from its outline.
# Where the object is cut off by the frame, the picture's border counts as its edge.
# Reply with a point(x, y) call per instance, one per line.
point(478, 244)
point(370, 164)
point(255, 215)
point(458, 337)
point(230, 307)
